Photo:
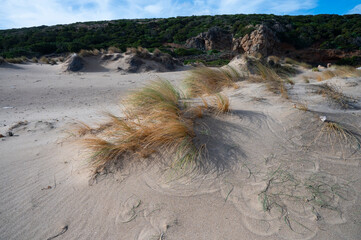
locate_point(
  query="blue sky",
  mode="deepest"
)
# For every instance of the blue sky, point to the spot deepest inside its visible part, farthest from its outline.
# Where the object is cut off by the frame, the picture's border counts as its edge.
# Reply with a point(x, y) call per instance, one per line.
point(27, 13)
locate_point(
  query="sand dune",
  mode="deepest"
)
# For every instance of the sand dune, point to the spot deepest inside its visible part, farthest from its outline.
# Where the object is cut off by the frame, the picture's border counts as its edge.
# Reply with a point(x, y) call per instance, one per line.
point(275, 174)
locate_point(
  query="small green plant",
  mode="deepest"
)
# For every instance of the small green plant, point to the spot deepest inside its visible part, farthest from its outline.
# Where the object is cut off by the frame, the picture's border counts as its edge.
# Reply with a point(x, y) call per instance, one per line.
point(315, 69)
point(314, 191)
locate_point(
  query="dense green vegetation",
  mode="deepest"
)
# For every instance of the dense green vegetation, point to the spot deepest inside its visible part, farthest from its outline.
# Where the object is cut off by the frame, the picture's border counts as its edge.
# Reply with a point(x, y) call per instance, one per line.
point(324, 31)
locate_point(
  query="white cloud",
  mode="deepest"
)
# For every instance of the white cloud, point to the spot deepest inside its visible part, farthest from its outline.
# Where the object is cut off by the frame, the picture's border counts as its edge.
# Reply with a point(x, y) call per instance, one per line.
point(356, 10)
point(154, 9)
point(25, 13)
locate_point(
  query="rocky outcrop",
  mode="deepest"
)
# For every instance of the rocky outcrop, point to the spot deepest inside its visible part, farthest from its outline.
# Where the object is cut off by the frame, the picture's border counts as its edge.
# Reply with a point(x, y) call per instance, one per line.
point(215, 39)
point(237, 46)
point(261, 41)
point(74, 63)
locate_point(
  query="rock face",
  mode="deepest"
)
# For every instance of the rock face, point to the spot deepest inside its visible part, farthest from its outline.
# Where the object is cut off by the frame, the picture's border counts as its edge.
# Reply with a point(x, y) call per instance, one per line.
point(215, 39)
point(74, 63)
point(262, 40)
point(237, 46)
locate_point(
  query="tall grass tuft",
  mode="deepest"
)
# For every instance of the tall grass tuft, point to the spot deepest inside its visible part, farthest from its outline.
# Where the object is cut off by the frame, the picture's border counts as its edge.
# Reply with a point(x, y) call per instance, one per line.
point(155, 119)
point(44, 59)
point(17, 60)
point(341, 72)
point(89, 53)
point(113, 49)
point(208, 81)
point(222, 103)
point(273, 81)
point(297, 63)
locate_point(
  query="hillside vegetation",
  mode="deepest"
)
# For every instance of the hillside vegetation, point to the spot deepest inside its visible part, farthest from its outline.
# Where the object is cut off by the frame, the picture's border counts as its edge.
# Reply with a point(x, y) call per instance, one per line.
point(320, 31)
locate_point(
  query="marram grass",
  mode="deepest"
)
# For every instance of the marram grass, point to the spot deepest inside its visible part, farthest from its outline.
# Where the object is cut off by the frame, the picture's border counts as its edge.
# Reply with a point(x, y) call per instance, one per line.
point(155, 120)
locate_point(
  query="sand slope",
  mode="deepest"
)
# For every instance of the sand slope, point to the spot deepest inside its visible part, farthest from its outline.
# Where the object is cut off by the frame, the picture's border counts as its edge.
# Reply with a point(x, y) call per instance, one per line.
point(264, 144)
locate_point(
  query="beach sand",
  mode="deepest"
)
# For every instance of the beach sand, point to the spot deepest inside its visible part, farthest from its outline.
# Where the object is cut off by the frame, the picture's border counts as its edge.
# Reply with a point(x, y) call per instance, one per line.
point(276, 174)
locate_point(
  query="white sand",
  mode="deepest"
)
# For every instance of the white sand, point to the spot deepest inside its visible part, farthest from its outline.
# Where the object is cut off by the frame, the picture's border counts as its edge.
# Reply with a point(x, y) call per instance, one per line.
point(44, 177)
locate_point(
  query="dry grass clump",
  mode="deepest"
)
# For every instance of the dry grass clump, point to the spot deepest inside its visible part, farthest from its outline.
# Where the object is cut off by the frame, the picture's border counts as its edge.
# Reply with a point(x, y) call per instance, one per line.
point(347, 71)
point(334, 94)
point(140, 52)
point(340, 71)
point(155, 120)
point(336, 129)
point(34, 60)
point(328, 74)
point(221, 103)
point(334, 134)
point(17, 60)
point(44, 59)
point(157, 52)
point(113, 49)
point(208, 81)
point(273, 81)
point(89, 53)
point(295, 62)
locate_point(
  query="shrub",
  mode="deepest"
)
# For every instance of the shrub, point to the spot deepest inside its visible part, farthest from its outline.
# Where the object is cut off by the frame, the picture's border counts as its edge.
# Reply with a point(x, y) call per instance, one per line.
point(217, 63)
point(181, 52)
point(352, 61)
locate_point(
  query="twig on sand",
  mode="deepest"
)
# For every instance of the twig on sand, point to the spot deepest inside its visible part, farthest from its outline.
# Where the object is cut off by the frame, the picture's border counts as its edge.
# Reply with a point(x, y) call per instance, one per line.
point(64, 229)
